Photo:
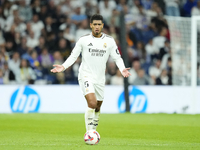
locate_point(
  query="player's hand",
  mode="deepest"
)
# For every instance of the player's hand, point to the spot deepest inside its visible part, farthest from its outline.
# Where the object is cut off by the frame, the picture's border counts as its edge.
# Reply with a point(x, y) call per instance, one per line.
point(58, 68)
point(126, 73)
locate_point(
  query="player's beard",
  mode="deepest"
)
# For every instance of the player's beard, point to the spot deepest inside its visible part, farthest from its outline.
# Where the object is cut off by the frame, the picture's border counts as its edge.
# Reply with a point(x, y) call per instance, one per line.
point(97, 33)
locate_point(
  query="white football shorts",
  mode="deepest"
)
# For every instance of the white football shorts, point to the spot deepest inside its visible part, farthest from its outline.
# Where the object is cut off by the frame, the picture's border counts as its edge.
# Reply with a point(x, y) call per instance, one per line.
point(87, 87)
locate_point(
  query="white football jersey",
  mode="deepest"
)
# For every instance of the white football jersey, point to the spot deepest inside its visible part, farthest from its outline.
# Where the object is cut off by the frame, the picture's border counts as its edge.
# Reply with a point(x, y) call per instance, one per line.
point(95, 53)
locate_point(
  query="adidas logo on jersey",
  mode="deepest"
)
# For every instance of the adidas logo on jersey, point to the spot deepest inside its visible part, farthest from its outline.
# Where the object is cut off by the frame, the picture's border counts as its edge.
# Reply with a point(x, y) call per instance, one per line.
point(90, 44)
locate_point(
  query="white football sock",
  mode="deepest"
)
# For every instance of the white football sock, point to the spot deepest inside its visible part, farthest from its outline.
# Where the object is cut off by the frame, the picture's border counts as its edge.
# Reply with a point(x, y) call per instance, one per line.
point(96, 120)
point(89, 117)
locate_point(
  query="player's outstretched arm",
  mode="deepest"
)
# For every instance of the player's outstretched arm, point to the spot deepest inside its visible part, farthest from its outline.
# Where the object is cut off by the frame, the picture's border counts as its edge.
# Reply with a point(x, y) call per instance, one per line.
point(126, 73)
point(57, 68)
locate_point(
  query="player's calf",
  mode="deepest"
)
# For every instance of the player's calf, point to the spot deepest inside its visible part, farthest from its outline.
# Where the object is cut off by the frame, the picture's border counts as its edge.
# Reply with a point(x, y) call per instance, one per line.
point(97, 115)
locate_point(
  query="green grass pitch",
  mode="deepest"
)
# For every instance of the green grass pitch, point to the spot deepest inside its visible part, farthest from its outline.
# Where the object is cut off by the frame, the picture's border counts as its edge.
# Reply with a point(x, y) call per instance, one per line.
point(118, 132)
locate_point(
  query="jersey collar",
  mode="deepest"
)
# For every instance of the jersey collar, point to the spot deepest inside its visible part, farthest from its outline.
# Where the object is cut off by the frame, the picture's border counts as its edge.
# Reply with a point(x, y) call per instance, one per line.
point(102, 36)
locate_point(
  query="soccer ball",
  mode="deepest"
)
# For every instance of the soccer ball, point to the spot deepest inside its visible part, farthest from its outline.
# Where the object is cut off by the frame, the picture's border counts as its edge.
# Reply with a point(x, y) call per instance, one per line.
point(92, 137)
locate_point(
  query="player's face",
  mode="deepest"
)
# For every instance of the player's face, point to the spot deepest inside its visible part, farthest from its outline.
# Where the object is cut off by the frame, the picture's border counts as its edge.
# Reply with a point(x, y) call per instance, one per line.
point(96, 26)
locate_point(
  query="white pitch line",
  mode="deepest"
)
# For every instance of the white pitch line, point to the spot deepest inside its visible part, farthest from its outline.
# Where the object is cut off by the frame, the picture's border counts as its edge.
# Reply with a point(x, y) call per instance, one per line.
point(100, 144)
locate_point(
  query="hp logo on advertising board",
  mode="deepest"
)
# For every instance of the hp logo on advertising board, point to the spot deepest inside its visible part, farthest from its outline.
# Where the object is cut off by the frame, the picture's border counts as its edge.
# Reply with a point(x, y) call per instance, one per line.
point(25, 100)
point(138, 101)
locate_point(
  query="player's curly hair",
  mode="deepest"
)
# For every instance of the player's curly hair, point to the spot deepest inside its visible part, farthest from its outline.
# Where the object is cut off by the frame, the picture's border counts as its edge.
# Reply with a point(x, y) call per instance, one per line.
point(96, 17)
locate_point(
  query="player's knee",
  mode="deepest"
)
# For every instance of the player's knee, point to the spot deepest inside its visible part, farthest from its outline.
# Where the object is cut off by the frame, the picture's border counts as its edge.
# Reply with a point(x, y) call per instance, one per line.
point(92, 105)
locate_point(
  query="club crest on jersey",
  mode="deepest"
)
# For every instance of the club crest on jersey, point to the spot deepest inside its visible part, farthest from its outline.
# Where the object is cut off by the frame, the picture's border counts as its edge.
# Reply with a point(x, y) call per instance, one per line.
point(104, 45)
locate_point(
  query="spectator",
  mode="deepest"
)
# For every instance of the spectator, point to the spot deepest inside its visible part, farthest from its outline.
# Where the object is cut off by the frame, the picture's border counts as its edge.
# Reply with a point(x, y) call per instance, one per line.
point(172, 7)
point(36, 9)
point(50, 27)
point(60, 78)
point(27, 55)
point(10, 49)
point(68, 23)
point(33, 60)
point(32, 42)
point(131, 38)
point(121, 5)
point(147, 4)
point(141, 79)
point(131, 57)
point(28, 28)
point(22, 47)
point(59, 17)
point(117, 79)
point(57, 58)
point(45, 59)
point(139, 52)
point(75, 69)
point(152, 12)
point(25, 74)
point(163, 79)
point(149, 33)
point(141, 20)
point(135, 8)
point(20, 27)
point(10, 36)
point(51, 8)
point(77, 18)
point(36, 26)
point(35, 64)
point(105, 9)
point(82, 29)
point(151, 51)
point(107, 77)
point(5, 54)
point(90, 8)
point(10, 19)
point(169, 70)
point(9, 76)
point(188, 7)
point(196, 9)
point(70, 76)
point(57, 2)
point(78, 3)
point(2, 60)
point(2, 80)
point(164, 50)
point(66, 7)
point(17, 39)
point(7, 8)
point(114, 18)
point(25, 11)
point(156, 69)
point(42, 44)
point(161, 5)
point(2, 40)
point(2, 19)
point(111, 68)
point(158, 23)
point(112, 31)
point(68, 35)
point(14, 63)
point(165, 59)
point(136, 66)
point(43, 13)
point(64, 47)
point(51, 42)
point(159, 41)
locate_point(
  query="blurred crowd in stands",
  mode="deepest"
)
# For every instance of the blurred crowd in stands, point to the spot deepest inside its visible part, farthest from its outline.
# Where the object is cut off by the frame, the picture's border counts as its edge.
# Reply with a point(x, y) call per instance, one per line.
point(35, 34)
